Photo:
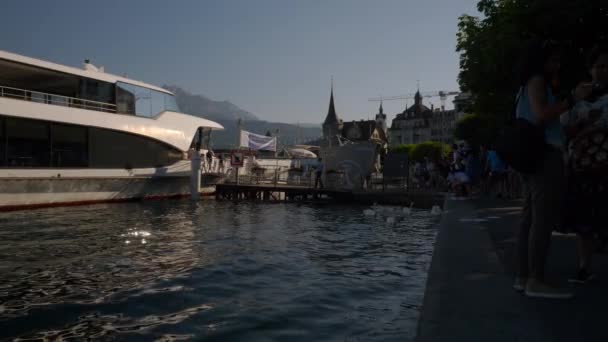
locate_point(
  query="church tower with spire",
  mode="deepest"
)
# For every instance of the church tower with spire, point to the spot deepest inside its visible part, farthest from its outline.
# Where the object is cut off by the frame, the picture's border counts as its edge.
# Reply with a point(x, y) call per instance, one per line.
point(381, 118)
point(417, 98)
point(332, 125)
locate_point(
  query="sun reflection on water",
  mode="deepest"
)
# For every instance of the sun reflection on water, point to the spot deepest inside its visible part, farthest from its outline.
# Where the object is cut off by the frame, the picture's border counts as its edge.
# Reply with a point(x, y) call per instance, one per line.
point(175, 270)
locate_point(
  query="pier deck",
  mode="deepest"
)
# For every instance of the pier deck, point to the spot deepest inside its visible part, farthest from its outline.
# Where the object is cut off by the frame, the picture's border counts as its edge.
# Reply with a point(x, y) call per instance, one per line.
point(284, 192)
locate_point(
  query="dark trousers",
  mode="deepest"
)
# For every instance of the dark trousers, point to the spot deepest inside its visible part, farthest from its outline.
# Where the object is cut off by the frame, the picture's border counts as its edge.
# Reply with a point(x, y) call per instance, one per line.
point(544, 198)
point(319, 180)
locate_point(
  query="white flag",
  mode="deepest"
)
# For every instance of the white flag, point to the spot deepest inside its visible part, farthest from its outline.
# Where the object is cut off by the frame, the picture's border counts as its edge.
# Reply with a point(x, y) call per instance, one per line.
point(258, 142)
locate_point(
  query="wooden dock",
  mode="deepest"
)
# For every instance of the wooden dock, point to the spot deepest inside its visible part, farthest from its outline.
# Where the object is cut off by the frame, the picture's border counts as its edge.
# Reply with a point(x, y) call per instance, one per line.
point(283, 192)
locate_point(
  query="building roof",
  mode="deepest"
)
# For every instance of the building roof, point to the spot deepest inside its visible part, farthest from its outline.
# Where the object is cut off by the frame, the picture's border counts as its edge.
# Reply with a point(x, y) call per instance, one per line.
point(381, 112)
point(331, 117)
point(360, 130)
point(415, 111)
point(417, 108)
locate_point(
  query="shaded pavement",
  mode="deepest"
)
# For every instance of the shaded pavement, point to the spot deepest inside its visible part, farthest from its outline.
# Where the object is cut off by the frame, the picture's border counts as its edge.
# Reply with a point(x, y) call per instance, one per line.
point(469, 295)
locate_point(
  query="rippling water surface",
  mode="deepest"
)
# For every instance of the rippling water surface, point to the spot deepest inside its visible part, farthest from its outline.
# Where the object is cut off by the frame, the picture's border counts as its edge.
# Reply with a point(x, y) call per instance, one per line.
point(176, 270)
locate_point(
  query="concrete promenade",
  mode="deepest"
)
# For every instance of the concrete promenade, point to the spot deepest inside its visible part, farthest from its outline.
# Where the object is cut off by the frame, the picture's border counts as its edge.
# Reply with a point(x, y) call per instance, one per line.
point(469, 295)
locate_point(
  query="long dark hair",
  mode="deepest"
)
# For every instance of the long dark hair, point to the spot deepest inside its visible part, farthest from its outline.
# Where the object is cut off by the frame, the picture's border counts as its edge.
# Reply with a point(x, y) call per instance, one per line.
point(534, 58)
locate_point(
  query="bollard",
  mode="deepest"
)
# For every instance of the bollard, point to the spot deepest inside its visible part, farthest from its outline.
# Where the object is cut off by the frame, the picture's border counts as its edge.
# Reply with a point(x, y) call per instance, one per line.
point(195, 176)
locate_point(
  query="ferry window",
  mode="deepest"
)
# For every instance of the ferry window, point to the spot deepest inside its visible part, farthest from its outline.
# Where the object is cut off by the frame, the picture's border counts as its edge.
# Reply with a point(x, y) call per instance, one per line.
point(131, 99)
point(95, 90)
point(163, 102)
point(205, 142)
point(158, 103)
point(125, 100)
point(143, 102)
point(27, 77)
point(70, 146)
point(171, 103)
point(58, 100)
point(128, 150)
point(38, 97)
point(27, 143)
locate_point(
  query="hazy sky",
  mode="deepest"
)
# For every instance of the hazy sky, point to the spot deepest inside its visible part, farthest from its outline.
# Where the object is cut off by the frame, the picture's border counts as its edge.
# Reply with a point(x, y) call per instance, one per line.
point(271, 57)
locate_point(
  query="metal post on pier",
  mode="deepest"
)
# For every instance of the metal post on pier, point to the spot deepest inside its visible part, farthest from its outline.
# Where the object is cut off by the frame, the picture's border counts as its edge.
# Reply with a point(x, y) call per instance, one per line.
point(195, 169)
point(195, 176)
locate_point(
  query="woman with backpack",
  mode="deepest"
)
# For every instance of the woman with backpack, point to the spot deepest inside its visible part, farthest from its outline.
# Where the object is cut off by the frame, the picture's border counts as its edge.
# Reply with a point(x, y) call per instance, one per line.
point(545, 185)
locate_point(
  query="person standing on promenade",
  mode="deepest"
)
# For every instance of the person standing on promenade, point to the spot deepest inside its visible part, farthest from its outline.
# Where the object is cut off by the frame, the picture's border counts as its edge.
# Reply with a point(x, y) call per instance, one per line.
point(587, 191)
point(319, 174)
point(209, 161)
point(484, 181)
point(545, 186)
point(473, 168)
point(221, 167)
point(497, 171)
point(456, 156)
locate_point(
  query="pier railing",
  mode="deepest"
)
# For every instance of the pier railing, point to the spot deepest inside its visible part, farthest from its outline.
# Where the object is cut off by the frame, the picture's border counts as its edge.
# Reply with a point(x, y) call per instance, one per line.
point(57, 100)
point(281, 175)
point(275, 176)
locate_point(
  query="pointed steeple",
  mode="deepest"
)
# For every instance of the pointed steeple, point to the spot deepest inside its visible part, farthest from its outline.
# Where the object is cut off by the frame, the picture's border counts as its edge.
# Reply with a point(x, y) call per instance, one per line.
point(417, 98)
point(331, 117)
point(381, 118)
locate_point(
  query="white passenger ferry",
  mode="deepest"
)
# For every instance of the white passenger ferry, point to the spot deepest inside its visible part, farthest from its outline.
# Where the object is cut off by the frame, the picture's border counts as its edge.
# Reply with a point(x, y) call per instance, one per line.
point(75, 136)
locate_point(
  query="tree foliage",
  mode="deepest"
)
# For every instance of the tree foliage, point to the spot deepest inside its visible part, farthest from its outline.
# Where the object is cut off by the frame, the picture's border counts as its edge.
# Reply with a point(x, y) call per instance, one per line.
point(404, 148)
point(476, 129)
point(490, 45)
point(429, 149)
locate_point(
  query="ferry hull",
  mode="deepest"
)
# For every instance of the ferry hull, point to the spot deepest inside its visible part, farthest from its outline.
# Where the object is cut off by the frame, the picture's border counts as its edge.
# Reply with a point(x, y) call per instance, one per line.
point(29, 193)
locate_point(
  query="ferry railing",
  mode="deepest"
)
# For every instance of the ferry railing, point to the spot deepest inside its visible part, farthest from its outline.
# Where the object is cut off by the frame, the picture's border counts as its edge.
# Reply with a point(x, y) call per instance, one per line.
point(58, 100)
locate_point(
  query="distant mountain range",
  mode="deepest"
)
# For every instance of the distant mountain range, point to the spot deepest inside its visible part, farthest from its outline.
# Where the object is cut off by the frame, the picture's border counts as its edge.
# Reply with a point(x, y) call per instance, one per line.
point(200, 105)
point(227, 114)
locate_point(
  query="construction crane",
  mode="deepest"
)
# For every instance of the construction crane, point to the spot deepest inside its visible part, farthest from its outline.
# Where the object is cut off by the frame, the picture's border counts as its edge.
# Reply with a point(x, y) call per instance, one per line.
point(442, 94)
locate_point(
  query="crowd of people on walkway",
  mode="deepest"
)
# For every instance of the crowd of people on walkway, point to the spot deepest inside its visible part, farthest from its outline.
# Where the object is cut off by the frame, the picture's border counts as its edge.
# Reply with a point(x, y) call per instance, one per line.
point(566, 191)
point(469, 171)
point(563, 184)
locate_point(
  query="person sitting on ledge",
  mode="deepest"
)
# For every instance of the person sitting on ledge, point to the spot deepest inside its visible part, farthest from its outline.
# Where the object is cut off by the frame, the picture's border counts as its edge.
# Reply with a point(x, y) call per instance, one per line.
point(458, 180)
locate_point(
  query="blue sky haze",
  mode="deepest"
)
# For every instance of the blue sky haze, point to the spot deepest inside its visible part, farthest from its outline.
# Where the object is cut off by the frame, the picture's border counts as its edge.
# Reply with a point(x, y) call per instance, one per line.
point(271, 57)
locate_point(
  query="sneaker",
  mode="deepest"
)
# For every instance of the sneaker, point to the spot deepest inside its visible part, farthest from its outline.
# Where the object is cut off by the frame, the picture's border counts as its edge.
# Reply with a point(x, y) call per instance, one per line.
point(540, 290)
point(582, 277)
point(520, 284)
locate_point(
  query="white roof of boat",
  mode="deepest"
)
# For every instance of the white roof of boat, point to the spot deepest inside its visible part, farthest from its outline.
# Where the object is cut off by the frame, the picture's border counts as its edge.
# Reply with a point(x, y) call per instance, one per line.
point(98, 75)
point(302, 152)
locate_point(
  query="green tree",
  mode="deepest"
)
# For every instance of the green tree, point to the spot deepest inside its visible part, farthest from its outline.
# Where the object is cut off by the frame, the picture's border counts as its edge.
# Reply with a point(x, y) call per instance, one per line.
point(406, 148)
point(476, 129)
point(490, 45)
point(429, 149)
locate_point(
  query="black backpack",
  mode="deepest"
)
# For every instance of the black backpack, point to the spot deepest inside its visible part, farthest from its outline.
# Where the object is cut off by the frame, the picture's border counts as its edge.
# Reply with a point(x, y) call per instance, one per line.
point(521, 144)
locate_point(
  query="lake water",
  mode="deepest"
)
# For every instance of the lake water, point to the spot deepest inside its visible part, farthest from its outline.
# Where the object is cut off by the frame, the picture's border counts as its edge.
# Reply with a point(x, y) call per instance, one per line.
point(216, 271)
